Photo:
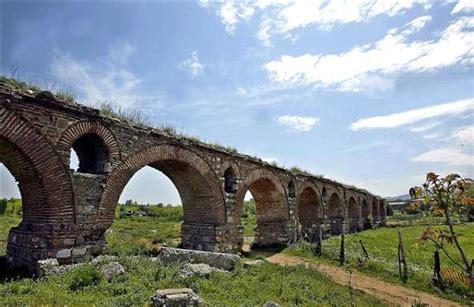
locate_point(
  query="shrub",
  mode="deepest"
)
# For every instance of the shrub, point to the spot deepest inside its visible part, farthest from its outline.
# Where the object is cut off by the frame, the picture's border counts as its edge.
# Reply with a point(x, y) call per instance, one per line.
point(3, 205)
point(85, 276)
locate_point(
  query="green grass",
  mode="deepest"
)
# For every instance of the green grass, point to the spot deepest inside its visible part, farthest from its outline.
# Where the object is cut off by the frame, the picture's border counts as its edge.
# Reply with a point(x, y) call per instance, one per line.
point(382, 246)
point(249, 218)
point(22, 86)
point(141, 235)
point(6, 222)
point(244, 286)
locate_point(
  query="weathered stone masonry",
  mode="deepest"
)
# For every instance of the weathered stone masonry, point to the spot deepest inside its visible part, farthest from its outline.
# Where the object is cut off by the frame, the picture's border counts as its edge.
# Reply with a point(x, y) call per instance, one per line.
point(66, 213)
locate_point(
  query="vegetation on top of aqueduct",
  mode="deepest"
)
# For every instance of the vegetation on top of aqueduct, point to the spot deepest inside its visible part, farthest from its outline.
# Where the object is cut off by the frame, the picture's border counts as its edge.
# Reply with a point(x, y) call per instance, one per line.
point(140, 120)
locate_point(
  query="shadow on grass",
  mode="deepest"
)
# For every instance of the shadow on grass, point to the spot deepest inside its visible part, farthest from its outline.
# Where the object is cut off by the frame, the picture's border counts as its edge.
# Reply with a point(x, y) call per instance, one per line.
point(7, 273)
point(255, 251)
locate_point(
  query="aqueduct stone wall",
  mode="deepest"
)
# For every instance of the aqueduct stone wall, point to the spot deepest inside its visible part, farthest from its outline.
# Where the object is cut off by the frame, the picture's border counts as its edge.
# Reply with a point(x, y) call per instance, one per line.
point(66, 212)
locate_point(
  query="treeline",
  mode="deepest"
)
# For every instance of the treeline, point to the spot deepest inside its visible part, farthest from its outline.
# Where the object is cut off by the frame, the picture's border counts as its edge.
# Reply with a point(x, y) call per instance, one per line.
point(165, 213)
point(10, 206)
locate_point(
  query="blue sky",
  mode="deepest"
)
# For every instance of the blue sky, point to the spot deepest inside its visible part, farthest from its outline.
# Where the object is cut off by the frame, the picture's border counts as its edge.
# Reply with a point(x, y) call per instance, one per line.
point(369, 93)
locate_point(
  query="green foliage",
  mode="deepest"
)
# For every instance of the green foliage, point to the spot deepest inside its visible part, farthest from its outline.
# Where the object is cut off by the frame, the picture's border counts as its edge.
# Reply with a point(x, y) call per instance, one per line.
point(66, 95)
point(245, 286)
point(23, 86)
point(296, 170)
point(259, 284)
point(3, 205)
point(135, 235)
point(168, 128)
point(19, 85)
point(446, 195)
point(442, 193)
point(84, 276)
point(135, 116)
point(249, 217)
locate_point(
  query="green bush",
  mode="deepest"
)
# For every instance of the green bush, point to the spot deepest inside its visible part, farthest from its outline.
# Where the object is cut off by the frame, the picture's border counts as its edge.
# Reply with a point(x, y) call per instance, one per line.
point(85, 276)
point(3, 205)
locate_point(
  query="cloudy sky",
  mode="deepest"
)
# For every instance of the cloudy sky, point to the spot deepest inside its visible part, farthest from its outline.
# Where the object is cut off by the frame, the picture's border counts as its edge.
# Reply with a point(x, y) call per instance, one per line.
point(371, 93)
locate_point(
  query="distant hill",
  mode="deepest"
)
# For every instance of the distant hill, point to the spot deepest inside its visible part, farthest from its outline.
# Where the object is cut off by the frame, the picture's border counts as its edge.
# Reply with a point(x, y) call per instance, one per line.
point(400, 197)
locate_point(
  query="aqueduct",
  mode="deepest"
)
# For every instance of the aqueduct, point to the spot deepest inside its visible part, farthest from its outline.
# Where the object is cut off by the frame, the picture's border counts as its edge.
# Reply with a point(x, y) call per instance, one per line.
point(66, 212)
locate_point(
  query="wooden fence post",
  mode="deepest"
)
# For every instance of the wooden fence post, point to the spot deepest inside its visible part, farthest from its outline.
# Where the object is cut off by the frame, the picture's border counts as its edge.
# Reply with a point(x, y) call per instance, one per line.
point(402, 264)
point(342, 254)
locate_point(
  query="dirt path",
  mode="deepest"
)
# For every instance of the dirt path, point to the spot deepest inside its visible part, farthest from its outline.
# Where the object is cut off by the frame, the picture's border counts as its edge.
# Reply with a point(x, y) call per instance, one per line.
point(393, 295)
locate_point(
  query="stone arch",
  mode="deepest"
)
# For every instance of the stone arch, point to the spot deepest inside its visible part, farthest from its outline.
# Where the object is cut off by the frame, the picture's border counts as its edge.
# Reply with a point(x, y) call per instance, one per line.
point(335, 213)
point(272, 206)
point(197, 184)
point(309, 211)
point(45, 188)
point(95, 145)
point(353, 214)
point(44, 184)
point(365, 210)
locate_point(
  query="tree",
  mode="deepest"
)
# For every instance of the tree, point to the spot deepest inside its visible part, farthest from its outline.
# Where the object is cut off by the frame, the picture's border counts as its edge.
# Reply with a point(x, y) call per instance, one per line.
point(446, 195)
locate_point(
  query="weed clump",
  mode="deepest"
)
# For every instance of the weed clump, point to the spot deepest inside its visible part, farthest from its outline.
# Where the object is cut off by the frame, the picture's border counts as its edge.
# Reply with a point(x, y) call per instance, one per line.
point(85, 276)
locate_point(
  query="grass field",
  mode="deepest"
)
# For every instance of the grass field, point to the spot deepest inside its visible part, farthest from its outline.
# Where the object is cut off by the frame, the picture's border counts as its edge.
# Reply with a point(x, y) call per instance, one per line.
point(142, 235)
point(245, 286)
point(382, 246)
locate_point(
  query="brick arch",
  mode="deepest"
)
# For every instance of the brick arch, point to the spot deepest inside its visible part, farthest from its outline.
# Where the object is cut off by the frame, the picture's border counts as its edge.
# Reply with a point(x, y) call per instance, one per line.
point(197, 184)
point(353, 213)
point(335, 212)
point(45, 187)
point(88, 128)
point(271, 202)
point(309, 208)
point(365, 212)
point(266, 187)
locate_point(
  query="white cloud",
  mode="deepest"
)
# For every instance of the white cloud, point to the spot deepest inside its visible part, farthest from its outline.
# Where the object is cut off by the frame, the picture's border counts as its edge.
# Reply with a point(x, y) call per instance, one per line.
point(464, 135)
point(241, 90)
point(463, 6)
point(112, 81)
point(449, 155)
point(298, 123)
point(283, 17)
point(415, 115)
point(425, 127)
point(192, 65)
point(300, 14)
point(385, 58)
point(231, 12)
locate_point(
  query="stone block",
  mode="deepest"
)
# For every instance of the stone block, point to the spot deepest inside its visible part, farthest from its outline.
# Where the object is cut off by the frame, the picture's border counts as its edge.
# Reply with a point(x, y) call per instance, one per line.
point(63, 253)
point(176, 298)
point(219, 260)
point(47, 266)
point(112, 269)
point(79, 251)
point(68, 241)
